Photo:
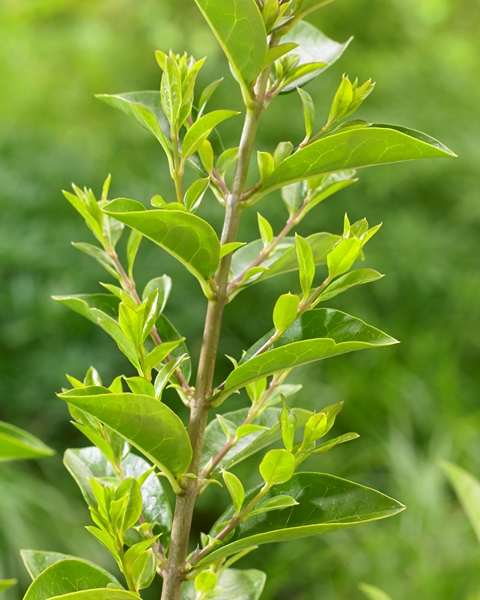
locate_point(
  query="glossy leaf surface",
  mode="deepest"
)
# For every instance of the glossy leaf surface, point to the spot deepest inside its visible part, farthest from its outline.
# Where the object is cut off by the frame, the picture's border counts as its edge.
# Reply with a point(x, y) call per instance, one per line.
point(146, 423)
point(313, 47)
point(239, 28)
point(316, 335)
point(68, 576)
point(187, 237)
point(16, 444)
point(37, 561)
point(355, 149)
point(99, 594)
point(325, 504)
point(235, 584)
point(352, 279)
point(87, 463)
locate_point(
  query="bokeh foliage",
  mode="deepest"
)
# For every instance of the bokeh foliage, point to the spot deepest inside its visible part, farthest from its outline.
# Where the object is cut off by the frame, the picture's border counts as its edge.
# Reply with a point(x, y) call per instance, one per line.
point(413, 404)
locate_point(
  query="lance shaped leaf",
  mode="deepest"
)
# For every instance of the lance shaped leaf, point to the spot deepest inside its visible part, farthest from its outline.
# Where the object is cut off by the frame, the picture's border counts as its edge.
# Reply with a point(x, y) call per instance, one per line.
point(36, 561)
point(352, 279)
point(6, 584)
point(146, 423)
point(188, 238)
point(201, 129)
point(355, 149)
point(168, 333)
point(239, 29)
point(235, 585)
point(91, 306)
point(16, 444)
point(145, 108)
point(313, 47)
point(89, 463)
point(308, 6)
point(66, 577)
point(325, 504)
point(283, 259)
point(467, 488)
point(317, 334)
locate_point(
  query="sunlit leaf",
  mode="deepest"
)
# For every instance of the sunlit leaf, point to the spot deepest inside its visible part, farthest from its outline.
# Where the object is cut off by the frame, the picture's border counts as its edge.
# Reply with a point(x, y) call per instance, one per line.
point(16, 444)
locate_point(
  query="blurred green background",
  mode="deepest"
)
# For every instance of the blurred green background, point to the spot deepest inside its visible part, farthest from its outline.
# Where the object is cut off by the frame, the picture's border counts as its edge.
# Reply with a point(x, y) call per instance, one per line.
point(412, 405)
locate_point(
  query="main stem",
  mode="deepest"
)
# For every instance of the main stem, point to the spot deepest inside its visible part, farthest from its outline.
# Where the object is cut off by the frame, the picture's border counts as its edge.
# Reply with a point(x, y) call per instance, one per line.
point(174, 573)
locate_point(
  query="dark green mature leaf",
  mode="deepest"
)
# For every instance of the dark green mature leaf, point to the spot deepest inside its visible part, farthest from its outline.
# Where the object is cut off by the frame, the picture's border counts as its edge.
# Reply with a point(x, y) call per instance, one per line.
point(187, 237)
point(37, 561)
point(316, 335)
point(16, 444)
point(352, 279)
point(325, 504)
point(6, 584)
point(87, 463)
point(467, 488)
point(314, 47)
point(215, 438)
point(355, 149)
point(146, 109)
point(283, 259)
point(66, 577)
point(146, 423)
point(239, 29)
point(235, 584)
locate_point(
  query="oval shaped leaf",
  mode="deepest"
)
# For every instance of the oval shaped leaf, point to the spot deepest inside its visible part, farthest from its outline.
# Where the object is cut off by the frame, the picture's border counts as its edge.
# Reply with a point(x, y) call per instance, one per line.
point(37, 561)
point(235, 585)
point(190, 239)
point(68, 576)
point(16, 444)
point(355, 149)
point(146, 423)
point(239, 29)
point(316, 335)
point(88, 463)
point(325, 504)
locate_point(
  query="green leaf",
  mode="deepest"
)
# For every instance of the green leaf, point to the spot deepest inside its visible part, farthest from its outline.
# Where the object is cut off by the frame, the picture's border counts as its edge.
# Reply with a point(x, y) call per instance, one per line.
point(195, 193)
point(352, 279)
point(266, 231)
point(91, 306)
point(277, 466)
point(282, 151)
point(308, 112)
point(188, 238)
point(6, 584)
point(343, 256)
point(16, 444)
point(230, 247)
point(235, 489)
point(276, 503)
point(277, 52)
point(238, 27)
point(325, 504)
point(171, 92)
point(66, 577)
point(206, 94)
point(255, 441)
point(327, 446)
point(160, 353)
point(306, 264)
point(467, 488)
point(133, 245)
point(88, 463)
point(285, 311)
point(235, 585)
point(266, 165)
point(146, 423)
point(314, 47)
point(226, 160)
point(100, 256)
point(308, 6)
point(288, 426)
point(144, 570)
point(283, 259)
point(145, 108)
point(317, 334)
point(205, 582)
point(163, 284)
point(342, 100)
point(100, 594)
point(36, 562)
point(129, 489)
point(355, 149)
point(372, 592)
point(168, 333)
point(201, 129)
